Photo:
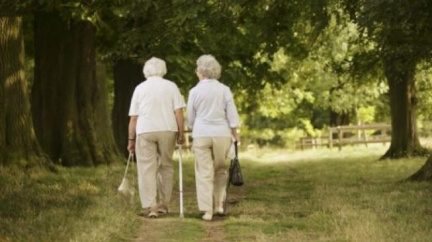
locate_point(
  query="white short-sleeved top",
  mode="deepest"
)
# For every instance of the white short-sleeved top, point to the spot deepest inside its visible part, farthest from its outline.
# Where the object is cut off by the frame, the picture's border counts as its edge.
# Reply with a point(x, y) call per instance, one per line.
point(154, 102)
point(211, 111)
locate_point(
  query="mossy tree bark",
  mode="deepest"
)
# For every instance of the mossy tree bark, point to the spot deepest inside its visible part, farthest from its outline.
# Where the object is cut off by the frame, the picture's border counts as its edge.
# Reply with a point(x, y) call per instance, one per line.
point(400, 72)
point(18, 143)
point(70, 104)
point(127, 75)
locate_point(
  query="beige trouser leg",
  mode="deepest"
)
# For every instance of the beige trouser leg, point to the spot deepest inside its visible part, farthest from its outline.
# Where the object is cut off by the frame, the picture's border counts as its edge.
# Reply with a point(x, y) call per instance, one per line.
point(166, 147)
point(210, 170)
point(150, 147)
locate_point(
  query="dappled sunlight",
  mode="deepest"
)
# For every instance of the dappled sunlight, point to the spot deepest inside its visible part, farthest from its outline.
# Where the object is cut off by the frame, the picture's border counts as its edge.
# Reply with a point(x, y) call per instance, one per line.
point(280, 155)
point(88, 188)
point(426, 142)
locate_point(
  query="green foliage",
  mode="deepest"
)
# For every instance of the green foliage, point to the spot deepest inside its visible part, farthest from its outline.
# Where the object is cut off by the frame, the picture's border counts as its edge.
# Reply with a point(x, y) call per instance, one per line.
point(425, 128)
point(402, 28)
point(309, 129)
point(267, 137)
point(274, 102)
point(326, 74)
point(398, 30)
point(179, 31)
point(322, 82)
point(366, 114)
point(424, 88)
point(289, 63)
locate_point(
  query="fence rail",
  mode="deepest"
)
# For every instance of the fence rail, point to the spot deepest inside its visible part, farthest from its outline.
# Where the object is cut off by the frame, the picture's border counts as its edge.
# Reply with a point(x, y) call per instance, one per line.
point(349, 135)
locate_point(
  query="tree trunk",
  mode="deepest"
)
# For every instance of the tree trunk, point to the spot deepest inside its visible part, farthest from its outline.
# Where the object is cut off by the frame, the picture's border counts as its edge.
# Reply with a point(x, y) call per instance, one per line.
point(127, 75)
point(400, 71)
point(339, 119)
point(425, 173)
point(18, 143)
point(70, 104)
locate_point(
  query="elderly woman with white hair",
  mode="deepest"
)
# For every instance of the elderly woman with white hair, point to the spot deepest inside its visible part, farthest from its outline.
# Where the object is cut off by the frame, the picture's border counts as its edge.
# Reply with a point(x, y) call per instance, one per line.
point(156, 122)
point(214, 120)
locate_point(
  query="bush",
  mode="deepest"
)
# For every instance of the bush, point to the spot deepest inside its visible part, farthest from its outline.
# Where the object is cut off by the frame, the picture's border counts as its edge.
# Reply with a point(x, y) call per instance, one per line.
point(425, 128)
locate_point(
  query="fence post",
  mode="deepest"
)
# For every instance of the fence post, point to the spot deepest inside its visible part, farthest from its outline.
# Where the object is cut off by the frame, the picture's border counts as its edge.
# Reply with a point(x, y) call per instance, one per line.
point(330, 141)
point(365, 138)
point(339, 137)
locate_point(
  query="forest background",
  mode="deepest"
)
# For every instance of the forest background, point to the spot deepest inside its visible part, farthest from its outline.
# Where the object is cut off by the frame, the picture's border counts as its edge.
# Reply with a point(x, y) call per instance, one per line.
point(296, 68)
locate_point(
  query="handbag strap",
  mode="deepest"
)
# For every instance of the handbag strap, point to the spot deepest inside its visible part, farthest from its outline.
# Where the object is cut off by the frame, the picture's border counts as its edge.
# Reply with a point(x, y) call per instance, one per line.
point(128, 161)
point(235, 148)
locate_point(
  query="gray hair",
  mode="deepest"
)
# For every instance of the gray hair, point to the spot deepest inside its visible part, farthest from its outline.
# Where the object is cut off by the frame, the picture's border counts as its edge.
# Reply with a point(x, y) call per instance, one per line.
point(208, 66)
point(154, 67)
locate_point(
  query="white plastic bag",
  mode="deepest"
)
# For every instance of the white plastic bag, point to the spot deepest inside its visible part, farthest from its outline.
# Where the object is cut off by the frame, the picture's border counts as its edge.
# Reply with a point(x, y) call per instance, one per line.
point(126, 188)
point(231, 153)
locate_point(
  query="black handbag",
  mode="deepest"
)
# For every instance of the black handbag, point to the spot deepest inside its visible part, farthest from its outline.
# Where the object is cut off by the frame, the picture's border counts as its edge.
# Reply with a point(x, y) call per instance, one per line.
point(235, 174)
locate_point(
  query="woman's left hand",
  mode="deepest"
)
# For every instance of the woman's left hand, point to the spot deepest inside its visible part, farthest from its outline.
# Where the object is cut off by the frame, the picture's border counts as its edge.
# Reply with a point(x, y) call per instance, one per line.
point(131, 146)
point(180, 138)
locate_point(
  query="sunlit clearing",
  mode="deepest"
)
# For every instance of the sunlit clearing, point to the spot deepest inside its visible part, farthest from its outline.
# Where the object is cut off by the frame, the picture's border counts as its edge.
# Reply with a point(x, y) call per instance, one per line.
point(274, 156)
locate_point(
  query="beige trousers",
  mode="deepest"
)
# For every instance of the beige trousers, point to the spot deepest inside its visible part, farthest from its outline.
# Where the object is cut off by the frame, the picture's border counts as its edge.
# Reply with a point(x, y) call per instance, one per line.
point(211, 170)
point(154, 153)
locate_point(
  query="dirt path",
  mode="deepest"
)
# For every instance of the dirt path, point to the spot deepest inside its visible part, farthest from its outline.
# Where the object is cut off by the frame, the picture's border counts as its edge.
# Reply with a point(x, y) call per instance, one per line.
point(155, 230)
point(161, 229)
point(215, 231)
point(148, 231)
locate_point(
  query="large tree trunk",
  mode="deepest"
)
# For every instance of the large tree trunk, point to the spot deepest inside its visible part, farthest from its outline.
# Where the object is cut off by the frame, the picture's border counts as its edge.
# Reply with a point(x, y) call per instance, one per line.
point(400, 71)
point(425, 173)
point(18, 143)
point(70, 104)
point(127, 75)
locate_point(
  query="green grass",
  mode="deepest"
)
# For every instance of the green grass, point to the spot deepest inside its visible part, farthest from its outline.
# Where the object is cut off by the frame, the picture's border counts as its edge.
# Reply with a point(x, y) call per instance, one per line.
point(75, 204)
point(314, 195)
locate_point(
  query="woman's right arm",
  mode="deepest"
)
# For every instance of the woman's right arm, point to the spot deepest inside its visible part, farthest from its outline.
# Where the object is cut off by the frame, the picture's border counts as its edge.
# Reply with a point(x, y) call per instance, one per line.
point(232, 114)
point(180, 123)
point(131, 134)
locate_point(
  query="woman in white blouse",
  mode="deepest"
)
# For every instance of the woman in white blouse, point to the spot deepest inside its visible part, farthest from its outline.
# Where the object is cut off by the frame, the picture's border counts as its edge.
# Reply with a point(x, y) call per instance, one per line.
point(213, 118)
point(156, 124)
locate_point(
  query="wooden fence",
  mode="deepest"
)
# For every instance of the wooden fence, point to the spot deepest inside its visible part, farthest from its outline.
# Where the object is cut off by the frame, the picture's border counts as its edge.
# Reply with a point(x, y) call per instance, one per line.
point(349, 135)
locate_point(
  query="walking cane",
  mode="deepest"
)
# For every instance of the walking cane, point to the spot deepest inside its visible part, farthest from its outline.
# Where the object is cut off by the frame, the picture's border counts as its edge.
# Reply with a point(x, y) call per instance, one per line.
point(181, 181)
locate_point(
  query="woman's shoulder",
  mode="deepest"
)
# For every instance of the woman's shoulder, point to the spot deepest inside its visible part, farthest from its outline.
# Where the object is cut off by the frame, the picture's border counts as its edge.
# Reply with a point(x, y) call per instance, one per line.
point(169, 83)
point(223, 86)
point(140, 85)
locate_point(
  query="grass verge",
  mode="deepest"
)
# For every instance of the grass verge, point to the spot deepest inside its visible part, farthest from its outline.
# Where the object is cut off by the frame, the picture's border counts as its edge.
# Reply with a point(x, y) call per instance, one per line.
point(75, 204)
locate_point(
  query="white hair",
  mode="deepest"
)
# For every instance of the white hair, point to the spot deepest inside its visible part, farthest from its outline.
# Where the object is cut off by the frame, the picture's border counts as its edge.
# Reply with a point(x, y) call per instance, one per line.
point(208, 66)
point(154, 67)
